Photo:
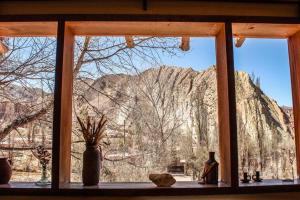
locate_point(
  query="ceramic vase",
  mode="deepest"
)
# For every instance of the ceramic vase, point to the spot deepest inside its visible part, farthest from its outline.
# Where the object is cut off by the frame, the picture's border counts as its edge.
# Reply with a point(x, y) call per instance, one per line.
point(91, 166)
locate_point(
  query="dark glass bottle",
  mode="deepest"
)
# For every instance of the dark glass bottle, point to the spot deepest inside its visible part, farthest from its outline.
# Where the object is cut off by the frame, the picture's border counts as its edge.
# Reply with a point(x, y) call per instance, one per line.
point(210, 174)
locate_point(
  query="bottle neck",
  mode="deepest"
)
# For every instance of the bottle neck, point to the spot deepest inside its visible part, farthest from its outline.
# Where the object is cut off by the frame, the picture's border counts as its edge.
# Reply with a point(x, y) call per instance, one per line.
point(211, 155)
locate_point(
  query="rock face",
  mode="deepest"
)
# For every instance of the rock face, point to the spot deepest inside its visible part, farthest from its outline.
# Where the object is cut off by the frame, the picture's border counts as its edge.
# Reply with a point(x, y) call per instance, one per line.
point(265, 132)
point(162, 180)
point(168, 115)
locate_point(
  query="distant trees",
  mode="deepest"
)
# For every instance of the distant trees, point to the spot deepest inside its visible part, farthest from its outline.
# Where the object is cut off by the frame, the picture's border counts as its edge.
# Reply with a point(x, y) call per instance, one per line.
point(98, 58)
point(145, 118)
point(28, 69)
point(159, 118)
point(255, 79)
point(30, 63)
point(264, 132)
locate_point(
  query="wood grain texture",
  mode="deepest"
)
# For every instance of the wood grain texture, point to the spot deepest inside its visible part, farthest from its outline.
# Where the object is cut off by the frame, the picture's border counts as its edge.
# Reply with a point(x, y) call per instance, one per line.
point(223, 107)
point(66, 107)
point(99, 28)
point(294, 58)
point(185, 43)
point(154, 7)
point(264, 30)
point(226, 106)
point(62, 116)
point(21, 29)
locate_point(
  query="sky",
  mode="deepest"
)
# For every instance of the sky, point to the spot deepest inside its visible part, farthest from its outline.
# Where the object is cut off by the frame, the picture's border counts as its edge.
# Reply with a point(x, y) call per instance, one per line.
point(266, 58)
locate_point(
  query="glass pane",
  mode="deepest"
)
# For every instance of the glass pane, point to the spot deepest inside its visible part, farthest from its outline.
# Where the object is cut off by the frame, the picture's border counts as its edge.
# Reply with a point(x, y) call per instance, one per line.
point(27, 68)
point(160, 102)
point(264, 109)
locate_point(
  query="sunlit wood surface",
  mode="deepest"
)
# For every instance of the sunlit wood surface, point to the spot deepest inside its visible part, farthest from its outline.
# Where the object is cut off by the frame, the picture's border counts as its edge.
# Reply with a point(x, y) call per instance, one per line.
point(145, 28)
point(22, 29)
point(262, 30)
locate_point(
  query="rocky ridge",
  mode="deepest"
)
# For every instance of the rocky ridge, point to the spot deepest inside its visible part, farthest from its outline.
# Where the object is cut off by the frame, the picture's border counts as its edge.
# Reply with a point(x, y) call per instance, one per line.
point(168, 116)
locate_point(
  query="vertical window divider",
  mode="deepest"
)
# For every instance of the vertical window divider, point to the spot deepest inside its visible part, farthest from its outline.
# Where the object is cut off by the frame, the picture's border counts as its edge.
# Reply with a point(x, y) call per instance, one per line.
point(57, 106)
point(226, 106)
point(294, 55)
point(62, 120)
point(232, 105)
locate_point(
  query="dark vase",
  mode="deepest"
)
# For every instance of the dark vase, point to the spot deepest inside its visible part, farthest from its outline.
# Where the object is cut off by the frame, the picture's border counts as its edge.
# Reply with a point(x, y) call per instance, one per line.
point(211, 170)
point(91, 166)
point(5, 171)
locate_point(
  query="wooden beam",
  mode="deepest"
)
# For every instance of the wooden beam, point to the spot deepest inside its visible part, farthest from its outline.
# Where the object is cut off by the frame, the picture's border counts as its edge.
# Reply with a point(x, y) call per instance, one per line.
point(185, 43)
point(155, 7)
point(32, 29)
point(3, 48)
point(66, 107)
point(129, 41)
point(159, 29)
point(294, 58)
point(226, 107)
point(239, 41)
point(264, 30)
point(62, 125)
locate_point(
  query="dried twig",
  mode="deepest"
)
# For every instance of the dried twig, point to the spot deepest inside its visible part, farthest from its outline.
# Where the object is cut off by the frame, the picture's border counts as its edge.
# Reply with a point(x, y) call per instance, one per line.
point(93, 134)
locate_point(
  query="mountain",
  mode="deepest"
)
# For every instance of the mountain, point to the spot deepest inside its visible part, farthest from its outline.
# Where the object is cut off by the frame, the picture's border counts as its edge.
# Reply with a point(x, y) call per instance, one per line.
point(266, 135)
point(168, 115)
point(16, 102)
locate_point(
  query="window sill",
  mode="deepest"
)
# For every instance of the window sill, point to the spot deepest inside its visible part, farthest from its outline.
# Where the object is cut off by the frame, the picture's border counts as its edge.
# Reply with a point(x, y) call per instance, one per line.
point(145, 189)
point(141, 185)
point(115, 189)
point(270, 182)
point(23, 185)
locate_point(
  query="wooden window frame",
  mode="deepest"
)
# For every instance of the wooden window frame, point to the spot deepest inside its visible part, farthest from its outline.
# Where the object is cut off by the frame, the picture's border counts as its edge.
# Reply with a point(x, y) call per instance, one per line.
point(227, 115)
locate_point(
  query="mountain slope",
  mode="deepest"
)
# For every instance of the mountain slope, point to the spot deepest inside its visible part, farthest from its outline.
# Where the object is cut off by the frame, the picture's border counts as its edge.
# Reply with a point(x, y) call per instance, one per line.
point(169, 115)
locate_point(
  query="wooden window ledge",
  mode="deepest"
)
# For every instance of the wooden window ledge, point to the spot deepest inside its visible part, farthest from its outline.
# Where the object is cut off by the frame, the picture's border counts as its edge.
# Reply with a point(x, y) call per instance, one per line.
point(148, 189)
point(24, 185)
point(141, 185)
point(270, 182)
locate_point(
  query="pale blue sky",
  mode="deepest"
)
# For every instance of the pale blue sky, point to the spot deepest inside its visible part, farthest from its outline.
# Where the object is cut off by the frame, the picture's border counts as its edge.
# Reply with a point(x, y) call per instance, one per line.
point(266, 58)
point(200, 56)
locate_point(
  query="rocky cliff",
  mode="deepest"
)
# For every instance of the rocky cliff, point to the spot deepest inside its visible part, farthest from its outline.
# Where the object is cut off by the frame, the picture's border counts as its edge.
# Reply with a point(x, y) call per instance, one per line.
point(168, 116)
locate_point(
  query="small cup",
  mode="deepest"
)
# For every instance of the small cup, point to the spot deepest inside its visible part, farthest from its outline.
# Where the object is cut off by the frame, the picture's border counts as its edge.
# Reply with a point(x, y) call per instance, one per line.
point(256, 177)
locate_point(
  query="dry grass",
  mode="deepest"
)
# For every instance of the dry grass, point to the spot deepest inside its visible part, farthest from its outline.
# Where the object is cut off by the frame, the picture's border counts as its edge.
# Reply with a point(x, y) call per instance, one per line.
point(92, 131)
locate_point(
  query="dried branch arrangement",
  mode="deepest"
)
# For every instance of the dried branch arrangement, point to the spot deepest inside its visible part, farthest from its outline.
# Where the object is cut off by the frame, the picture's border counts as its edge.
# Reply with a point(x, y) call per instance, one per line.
point(91, 132)
point(42, 155)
